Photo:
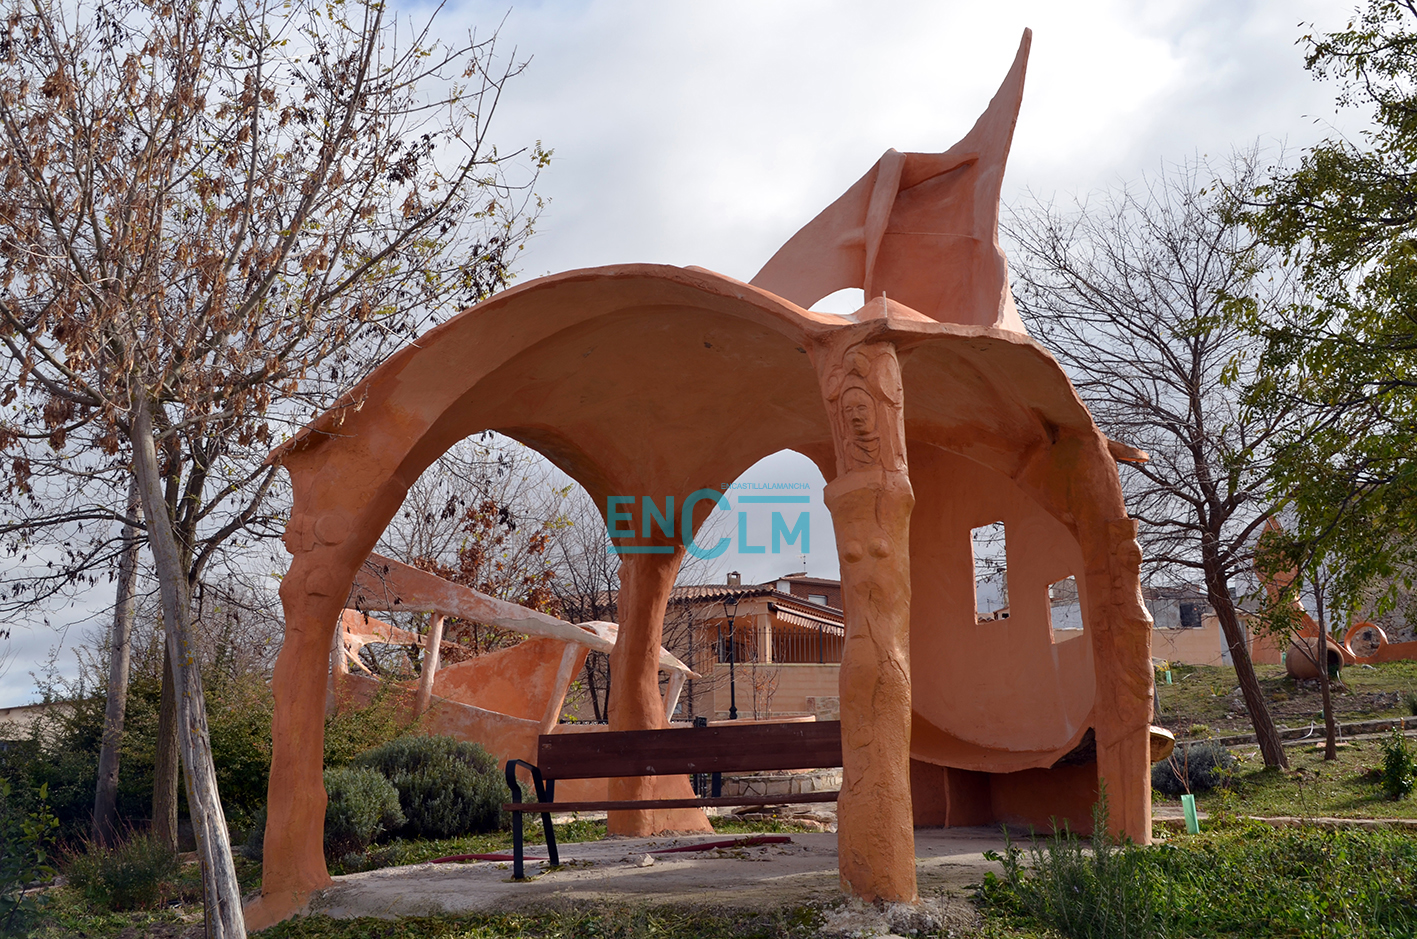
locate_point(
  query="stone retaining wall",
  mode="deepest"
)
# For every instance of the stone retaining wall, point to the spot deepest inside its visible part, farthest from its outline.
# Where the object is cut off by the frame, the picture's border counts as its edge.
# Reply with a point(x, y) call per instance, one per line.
point(779, 785)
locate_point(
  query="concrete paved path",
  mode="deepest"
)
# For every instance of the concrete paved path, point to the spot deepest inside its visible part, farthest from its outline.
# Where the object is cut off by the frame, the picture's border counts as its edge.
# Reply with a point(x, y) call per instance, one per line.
point(804, 871)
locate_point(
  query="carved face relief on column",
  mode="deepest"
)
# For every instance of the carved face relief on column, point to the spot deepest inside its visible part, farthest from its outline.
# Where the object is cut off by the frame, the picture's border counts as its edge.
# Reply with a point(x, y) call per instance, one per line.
point(858, 410)
point(1125, 565)
point(864, 397)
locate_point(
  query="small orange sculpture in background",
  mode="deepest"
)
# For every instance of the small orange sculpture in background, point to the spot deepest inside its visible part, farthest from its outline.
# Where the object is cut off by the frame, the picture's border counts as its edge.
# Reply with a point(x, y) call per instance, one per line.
point(929, 411)
point(1364, 643)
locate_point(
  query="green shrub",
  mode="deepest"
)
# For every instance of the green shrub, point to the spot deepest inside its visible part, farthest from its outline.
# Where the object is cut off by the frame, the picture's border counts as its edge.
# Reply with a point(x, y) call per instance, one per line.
point(239, 714)
point(1102, 889)
point(64, 744)
point(254, 845)
point(134, 875)
point(446, 787)
point(1192, 767)
point(362, 806)
point(1241, 880)
point(352, 730)
point(1399, 768)
point(27, 830)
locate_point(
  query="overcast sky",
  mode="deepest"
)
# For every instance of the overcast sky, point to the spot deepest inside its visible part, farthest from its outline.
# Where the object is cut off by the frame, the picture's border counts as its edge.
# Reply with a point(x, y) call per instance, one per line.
point(707, 133)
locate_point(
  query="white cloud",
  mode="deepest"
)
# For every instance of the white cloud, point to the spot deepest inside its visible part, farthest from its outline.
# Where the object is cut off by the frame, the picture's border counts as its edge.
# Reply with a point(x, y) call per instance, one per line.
point(707, 133)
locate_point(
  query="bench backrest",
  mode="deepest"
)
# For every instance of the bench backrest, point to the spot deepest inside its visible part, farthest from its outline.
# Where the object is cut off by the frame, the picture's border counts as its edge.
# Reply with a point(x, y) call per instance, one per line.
point(740, 748)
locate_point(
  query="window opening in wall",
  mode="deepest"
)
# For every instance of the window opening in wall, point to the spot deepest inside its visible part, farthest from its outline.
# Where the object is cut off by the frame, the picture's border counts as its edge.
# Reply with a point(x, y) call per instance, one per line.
point(820, 599)
point(1064, 605)
point(1190, 616)
point(991, 574)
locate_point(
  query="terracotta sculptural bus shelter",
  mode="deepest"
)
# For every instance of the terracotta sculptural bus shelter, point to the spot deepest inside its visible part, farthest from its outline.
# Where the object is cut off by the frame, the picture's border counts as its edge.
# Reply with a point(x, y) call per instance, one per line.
point(930, 412)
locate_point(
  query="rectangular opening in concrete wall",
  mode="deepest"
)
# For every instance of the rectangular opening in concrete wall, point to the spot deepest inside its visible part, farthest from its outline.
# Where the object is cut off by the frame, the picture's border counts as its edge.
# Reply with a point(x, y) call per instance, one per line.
point(1064, 606)
point(991, 572)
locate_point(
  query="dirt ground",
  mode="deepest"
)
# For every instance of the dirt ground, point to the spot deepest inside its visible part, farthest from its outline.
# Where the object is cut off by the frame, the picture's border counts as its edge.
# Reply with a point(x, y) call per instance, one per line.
point(801, 872)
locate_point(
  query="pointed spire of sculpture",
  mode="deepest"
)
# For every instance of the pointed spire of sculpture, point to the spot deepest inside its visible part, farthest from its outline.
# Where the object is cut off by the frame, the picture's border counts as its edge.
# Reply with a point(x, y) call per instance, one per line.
point(919, 227)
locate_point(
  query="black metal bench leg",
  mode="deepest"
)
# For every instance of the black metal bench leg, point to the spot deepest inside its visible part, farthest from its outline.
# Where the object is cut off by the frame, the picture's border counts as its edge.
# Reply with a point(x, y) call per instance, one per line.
point(544, 793)
point(550, 796)
point(518, 868)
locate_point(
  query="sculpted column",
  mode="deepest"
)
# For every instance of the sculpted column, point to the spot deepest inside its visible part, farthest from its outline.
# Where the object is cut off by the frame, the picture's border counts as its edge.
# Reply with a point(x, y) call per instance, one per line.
point(634, 702)
point(870, 500)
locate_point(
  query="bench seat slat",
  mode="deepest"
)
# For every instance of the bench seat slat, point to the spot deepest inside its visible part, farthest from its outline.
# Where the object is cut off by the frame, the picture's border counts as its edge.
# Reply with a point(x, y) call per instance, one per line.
point(780, 799)
point(743, 748)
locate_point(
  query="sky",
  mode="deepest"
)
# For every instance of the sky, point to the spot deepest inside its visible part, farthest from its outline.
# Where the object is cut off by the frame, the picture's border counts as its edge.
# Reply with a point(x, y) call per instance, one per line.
point(708, 133)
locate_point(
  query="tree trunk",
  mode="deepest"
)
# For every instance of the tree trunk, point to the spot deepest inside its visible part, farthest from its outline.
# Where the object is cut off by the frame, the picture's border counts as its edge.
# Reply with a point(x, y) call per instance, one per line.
point(222, 893)
point(590, 683)
point(105, 800)
point(1330, 725)
point(430, 665)
point(164, 824)
point(1218, 591)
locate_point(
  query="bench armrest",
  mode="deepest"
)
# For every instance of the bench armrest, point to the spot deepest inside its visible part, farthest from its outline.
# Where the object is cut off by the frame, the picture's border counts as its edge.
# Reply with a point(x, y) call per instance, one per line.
point(542, 794)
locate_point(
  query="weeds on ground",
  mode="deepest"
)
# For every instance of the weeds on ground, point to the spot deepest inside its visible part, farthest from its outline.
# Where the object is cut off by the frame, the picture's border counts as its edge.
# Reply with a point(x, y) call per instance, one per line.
point(70, 913)
point(602, 921)
point(137, 874)
point(1399, 770)
point(1243, 879)
point(732, 825)
point(1080, 888)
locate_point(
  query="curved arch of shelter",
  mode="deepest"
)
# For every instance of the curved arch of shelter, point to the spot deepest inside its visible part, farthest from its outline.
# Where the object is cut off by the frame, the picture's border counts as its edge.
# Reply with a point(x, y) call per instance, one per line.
point(649, 380)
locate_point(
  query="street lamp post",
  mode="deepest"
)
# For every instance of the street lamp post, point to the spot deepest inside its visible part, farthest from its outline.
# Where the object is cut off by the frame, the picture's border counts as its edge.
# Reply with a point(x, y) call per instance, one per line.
point(730, 608)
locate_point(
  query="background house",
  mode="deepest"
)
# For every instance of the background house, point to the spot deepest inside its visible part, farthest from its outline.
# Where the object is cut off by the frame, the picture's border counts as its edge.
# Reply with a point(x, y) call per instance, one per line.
point(1186, 627)
point(787, 638)
point(785, 642)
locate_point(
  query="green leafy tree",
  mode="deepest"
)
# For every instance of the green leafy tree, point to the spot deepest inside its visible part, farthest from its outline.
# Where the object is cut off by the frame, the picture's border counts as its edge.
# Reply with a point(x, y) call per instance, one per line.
point(1346, 218)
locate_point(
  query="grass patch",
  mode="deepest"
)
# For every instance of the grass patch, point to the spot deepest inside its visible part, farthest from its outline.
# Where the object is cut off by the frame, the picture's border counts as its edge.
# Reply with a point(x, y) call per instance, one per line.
point(1348, 787)
point(1206, 696)
point(603, 921)
point(70, 917)
point(732, 825)
point(1237, 881)
point(399, 852)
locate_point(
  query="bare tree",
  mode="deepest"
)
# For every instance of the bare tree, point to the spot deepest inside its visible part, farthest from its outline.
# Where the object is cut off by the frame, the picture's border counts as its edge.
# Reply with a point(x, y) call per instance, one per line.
point(119, 656)
point(211, 211)
point(485, 515)
point(1139, 295)
point(587, 585)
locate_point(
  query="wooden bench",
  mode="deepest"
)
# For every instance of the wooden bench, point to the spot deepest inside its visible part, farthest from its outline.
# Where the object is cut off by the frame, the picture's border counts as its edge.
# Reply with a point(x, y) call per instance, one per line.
point(726, 748)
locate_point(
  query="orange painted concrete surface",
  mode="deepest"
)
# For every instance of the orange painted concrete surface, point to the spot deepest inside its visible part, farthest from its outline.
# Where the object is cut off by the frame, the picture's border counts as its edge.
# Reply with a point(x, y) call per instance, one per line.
point(515, 681)
point(636, 379)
